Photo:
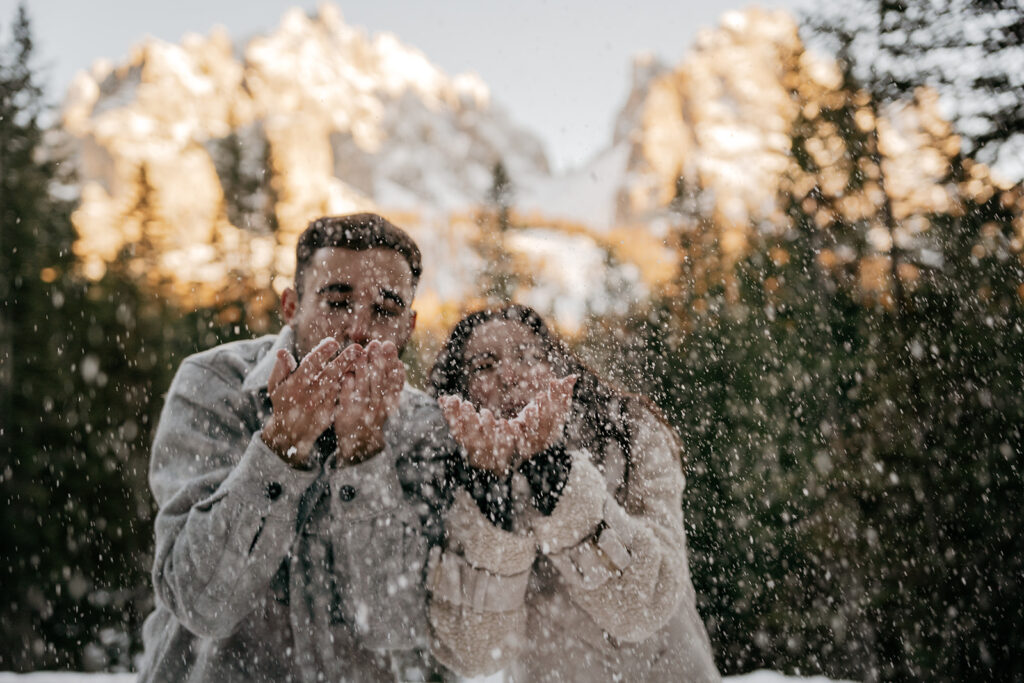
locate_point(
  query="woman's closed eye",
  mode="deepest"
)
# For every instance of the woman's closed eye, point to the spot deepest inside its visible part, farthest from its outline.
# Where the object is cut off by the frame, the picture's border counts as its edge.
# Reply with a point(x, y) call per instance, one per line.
point(482, 367)
point(481, 363)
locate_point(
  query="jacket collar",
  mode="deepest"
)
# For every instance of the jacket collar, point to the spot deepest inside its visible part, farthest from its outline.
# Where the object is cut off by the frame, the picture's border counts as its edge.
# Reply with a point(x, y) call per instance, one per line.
point(256, 379)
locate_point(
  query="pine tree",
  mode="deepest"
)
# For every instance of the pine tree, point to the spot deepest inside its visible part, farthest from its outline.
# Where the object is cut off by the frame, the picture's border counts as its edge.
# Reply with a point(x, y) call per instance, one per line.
point(247, 180)
point(500, 276)
point(836, 423)
point(500, 195)
point(948, 442)
point(965, 49)
point(41, 437)
point(83, 367)
point(931, 422)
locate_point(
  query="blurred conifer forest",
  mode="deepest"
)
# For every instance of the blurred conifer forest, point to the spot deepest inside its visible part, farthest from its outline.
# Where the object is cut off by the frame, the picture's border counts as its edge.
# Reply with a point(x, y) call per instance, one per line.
point(851, 416)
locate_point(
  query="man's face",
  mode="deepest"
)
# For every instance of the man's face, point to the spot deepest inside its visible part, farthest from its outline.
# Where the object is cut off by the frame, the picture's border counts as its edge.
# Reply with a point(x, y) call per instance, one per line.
point(353, 296)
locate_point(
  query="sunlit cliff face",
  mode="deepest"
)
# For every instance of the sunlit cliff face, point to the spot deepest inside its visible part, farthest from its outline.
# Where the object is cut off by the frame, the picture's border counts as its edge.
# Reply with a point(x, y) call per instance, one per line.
point(723, 119)
point(720, 119)
point(215, 158)
point(206, 161)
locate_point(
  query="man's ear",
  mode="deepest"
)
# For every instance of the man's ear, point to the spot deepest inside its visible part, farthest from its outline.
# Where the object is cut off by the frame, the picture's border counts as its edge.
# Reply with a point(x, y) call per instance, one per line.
point(289, 304)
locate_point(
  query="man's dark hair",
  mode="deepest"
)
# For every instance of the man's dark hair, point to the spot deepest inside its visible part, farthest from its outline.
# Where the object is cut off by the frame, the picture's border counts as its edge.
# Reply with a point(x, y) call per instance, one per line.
point(357, 231)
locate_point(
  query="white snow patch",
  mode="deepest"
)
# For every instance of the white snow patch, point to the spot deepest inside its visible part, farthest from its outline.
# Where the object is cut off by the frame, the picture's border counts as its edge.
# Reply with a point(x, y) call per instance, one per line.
point(572, 277)
point(587, 195)
point(76, 677)
point(763, 676)
point(66, 677)
point(1009, 163)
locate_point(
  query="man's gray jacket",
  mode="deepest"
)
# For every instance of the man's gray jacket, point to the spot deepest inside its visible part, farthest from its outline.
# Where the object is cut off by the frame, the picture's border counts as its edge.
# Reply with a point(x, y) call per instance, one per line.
point(263, 572)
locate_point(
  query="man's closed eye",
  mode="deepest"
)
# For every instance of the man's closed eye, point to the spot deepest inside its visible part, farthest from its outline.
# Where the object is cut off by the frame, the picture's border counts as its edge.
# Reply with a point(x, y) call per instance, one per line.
point(339, 303)
point(385, 311)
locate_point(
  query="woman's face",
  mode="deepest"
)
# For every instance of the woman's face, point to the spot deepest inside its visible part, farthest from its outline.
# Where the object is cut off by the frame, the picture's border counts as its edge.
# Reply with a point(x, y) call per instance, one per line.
point(506, 366)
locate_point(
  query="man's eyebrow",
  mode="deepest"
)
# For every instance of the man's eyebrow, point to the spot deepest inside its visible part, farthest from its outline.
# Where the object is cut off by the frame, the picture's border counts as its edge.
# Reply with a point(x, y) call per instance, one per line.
point(336, 287)
point(392, 296)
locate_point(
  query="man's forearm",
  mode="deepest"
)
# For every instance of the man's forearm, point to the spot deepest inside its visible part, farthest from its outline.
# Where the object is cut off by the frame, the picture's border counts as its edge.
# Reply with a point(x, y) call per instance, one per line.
point(228, 504)
point(219, 544)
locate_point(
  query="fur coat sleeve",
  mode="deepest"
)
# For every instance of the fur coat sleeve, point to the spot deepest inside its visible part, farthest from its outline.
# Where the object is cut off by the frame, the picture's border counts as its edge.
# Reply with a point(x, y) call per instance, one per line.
point(623, 565)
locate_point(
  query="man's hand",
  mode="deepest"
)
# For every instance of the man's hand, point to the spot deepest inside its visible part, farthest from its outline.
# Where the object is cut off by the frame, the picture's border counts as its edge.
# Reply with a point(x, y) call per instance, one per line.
point(369, 392)
point(490, 442)
point(304, 396)
point(496, 444)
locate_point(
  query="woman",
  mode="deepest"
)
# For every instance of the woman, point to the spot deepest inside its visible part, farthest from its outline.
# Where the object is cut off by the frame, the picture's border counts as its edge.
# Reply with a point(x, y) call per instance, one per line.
point(565, 555)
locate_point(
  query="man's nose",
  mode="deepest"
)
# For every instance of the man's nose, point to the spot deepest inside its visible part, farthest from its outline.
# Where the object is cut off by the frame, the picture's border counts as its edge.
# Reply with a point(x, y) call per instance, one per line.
point(508, 371)
point(359, 327)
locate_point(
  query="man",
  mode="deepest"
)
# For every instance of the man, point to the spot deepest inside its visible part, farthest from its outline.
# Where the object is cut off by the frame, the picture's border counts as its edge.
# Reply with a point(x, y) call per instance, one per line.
point(289, 472)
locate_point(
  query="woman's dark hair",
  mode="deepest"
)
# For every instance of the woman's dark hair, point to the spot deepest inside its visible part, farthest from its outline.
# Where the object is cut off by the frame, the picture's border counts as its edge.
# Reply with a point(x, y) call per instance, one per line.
point(600, 408)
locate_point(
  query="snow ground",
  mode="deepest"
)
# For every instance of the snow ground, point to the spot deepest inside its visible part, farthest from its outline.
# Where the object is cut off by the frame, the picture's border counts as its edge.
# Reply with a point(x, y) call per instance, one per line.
point(74, 677)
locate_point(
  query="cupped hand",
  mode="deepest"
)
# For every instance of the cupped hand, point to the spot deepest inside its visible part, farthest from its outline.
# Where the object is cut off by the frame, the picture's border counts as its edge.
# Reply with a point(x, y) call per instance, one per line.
point(496, 444)
point(303, 396)
point(368, 393)
point(490, 442)
point(539, 425)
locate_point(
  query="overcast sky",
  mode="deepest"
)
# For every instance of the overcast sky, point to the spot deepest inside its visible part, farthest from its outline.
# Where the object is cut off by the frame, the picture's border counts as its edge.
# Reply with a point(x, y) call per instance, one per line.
point(561, 67)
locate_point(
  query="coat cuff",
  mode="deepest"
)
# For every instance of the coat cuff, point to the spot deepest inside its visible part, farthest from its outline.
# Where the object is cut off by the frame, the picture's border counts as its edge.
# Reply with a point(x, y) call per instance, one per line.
point(579, 510)
point(263, 482)
point(455, 581)
point(592, 563)
point(367, 489)
point(483, 544)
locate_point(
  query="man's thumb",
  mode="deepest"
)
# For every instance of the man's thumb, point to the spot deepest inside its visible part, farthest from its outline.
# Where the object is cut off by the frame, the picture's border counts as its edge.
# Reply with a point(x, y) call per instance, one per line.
point(284, 366)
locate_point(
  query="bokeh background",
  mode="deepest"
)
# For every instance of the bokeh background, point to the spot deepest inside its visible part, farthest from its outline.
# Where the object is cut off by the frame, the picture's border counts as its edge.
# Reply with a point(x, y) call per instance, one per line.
point(803, 240)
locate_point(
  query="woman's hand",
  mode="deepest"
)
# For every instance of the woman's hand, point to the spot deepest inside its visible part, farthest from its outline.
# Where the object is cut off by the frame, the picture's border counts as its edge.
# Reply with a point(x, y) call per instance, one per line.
point(490, 442)
point(496, 444)
point(539, 425)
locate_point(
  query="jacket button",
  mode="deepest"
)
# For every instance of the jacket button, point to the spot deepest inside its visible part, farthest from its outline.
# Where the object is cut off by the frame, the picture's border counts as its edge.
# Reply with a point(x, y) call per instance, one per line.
point(273, 490)
point(346, 492)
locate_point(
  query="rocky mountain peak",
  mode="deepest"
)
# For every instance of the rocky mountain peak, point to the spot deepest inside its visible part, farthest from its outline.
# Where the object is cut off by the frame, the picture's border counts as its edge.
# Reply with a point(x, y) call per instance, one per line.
point(345, 121)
